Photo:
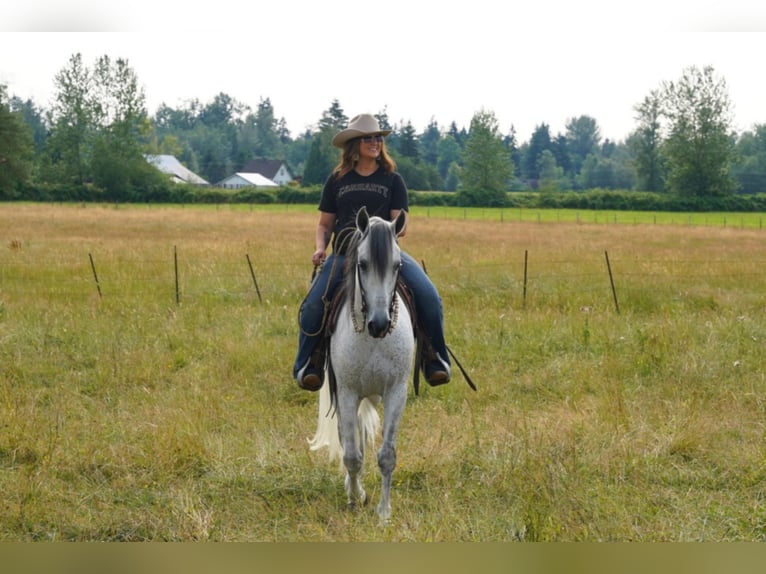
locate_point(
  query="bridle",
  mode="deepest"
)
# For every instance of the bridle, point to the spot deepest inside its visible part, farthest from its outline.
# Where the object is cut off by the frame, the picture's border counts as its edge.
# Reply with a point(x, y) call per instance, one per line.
point(359, 288)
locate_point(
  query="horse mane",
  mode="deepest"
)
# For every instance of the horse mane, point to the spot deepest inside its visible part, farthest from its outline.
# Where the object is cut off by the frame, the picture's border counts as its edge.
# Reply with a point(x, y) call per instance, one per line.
point(350, 262)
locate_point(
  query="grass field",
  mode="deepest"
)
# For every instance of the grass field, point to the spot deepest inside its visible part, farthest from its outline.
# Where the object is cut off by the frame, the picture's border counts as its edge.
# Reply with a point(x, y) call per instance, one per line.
point(157, 403)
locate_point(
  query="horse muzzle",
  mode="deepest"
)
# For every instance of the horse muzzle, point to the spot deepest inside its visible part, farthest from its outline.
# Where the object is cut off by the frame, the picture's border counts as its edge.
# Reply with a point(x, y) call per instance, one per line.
point(379, 325)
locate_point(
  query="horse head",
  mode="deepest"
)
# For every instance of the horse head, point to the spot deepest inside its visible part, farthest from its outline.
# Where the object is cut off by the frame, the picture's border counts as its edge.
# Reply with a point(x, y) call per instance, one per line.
point(377, 262)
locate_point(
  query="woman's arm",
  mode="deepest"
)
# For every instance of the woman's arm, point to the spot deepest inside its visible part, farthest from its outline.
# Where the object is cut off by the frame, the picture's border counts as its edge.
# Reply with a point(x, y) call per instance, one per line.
point(324, 231)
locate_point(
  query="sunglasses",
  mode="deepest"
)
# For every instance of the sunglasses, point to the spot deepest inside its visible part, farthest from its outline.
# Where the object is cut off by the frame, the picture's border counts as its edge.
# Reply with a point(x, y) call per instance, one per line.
point(370, 139)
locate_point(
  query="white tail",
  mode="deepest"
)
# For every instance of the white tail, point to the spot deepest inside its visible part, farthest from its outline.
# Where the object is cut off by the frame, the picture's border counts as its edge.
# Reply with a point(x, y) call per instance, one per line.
point(327, 425)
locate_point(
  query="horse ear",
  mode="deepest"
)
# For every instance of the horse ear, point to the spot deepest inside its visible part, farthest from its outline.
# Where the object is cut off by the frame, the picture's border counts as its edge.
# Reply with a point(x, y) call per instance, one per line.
point(362, 219)
point(399, 222)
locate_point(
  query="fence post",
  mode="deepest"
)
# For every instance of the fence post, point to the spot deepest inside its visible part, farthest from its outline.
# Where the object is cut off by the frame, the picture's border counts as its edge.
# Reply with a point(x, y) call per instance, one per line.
point(252, 273)
point(175, 262)
point(524, 300)
point(611, 280)
point(95, 276)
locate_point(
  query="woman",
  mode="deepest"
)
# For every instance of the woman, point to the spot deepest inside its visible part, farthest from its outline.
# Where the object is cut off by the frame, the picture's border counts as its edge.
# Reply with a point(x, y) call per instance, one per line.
point(365, 176)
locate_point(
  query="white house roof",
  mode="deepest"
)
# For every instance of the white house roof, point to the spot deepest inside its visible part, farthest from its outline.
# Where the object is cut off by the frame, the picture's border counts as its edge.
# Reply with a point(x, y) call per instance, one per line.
point(275, 169)
point(255, 179)
point(170, 165)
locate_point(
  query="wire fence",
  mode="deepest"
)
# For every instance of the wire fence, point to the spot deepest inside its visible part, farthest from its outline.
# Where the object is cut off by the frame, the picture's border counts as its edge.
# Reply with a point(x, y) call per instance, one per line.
point(173, 278)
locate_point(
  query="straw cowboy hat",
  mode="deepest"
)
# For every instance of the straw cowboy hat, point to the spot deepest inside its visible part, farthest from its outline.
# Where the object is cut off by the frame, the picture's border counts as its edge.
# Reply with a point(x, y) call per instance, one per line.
point(361, 125)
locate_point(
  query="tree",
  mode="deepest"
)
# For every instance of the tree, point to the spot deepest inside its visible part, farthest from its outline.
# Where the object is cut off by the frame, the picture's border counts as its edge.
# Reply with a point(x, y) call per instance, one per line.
point(282, 132)
point(452, 179)
point(538, 143)
point(34, 117)
point(260, 135)
point(70, 146)
point(267, 135)
point(212, 139)
point(700, 148)
point(16, 148)
point(322, 156)
point(418, 174)
point(297, 150)
point(429, 141)
point(511, 144)
point(646, 143)
point(750, 167)
point(214, 150)
point(383, 121)
point(100, 131)
point(334, 118)
point(564, 159)
point(319, 162)
point(167, 119)
point(448, 152)
point(408, 142)
point(459, 135)
point(223, 111)
point(583, 138)
point(552, 176)
point(247, 141)
point(121, 128)
point(487, 165)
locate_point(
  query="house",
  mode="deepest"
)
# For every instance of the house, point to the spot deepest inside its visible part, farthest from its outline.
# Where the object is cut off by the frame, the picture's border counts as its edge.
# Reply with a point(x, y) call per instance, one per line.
point(178, 173)
point(273, 169)
point(239, 180)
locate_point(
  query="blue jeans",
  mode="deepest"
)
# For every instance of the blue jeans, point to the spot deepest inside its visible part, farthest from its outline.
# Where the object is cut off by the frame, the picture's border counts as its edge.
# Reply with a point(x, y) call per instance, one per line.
point(428, 306)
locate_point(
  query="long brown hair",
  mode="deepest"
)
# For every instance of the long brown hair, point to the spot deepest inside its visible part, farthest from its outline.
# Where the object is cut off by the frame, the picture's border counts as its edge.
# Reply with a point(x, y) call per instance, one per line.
point(350, 154)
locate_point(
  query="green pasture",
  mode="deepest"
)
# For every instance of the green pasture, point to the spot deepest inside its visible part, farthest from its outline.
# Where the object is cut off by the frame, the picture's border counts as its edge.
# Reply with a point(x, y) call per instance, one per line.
point(146, 390)
point(535, 215)
point(743, 220)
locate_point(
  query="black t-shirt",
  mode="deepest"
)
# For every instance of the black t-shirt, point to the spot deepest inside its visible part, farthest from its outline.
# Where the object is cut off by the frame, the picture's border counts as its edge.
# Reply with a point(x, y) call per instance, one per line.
point(379, 192)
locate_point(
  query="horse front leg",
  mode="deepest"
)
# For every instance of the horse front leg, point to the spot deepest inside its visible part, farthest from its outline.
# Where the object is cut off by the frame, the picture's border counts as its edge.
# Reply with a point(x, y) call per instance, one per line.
point(393, 408)
point(386, 464)
point(353, 455)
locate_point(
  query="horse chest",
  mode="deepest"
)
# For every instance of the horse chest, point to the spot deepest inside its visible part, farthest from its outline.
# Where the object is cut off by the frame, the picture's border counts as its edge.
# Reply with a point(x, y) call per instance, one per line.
point(373, 358)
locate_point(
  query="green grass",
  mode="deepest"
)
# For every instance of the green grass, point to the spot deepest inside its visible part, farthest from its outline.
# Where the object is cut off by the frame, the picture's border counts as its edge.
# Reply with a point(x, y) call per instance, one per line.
point(604, 217)
point(130, 417)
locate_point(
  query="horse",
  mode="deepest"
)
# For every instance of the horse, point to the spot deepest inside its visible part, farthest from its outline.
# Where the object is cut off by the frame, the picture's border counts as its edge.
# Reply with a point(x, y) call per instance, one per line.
point(371, 354)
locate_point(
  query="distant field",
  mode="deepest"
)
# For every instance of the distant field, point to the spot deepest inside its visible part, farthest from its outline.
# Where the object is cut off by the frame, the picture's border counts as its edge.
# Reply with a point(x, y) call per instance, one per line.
point(519, 215)
point(712, 219)
point(145, 388)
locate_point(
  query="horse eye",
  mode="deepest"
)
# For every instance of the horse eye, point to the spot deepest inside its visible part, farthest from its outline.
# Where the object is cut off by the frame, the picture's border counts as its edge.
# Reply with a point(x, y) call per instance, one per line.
point(362, 265)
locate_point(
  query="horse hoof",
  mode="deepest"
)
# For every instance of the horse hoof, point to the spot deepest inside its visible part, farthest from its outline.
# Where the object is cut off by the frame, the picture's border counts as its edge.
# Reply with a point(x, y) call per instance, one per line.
point(352, 505)
point(384, 516)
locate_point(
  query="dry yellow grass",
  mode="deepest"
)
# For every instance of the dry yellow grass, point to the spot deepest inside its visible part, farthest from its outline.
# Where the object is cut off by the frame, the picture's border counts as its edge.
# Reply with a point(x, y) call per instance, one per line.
point(131, 417)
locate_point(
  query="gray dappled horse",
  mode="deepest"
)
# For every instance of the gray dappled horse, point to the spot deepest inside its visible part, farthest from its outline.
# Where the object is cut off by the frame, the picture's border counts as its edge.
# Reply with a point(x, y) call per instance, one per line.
point(371, 356)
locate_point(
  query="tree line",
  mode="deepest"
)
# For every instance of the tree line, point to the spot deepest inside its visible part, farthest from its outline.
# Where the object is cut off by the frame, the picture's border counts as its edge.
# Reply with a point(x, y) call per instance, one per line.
point(92, 140)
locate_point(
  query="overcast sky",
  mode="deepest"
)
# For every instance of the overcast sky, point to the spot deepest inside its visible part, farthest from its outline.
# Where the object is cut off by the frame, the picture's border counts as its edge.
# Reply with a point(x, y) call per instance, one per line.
point(528, 63)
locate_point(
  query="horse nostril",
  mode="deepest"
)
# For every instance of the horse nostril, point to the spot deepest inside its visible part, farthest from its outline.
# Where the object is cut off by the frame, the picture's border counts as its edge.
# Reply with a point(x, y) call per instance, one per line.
point(378, 329)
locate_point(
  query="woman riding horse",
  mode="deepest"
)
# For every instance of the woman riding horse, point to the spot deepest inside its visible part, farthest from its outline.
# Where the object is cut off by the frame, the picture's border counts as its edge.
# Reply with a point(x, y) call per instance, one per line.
point(366, 176)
